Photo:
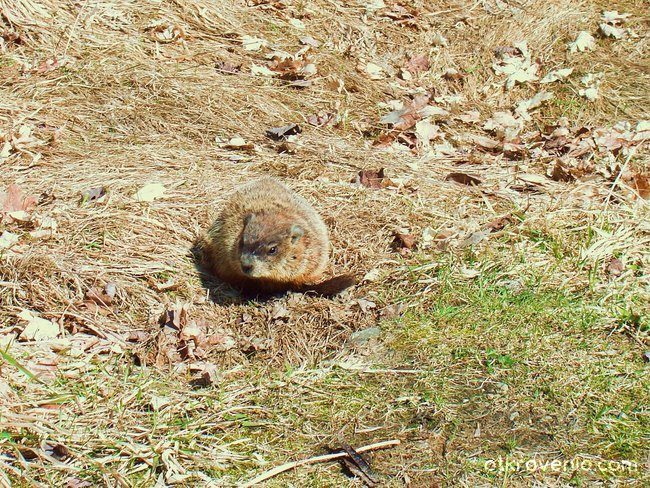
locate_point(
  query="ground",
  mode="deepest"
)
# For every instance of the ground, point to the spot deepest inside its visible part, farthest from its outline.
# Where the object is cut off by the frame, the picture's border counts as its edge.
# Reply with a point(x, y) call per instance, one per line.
point(500, 327)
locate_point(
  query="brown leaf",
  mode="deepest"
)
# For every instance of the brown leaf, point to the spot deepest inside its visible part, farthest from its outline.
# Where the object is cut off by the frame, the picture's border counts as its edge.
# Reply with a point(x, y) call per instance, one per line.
point(418, 64)
point(484, 142)
point(321, 118)
point(641, 185)
point(615, 267)
point(559, 172)
point(463, 179)
point(227, 68)
point(393, 311)
point(60, 452)
point(499, 223)
point(371, 178)
point(13, 200)
point(453, 75)
point(99, 297)
point(403, 243)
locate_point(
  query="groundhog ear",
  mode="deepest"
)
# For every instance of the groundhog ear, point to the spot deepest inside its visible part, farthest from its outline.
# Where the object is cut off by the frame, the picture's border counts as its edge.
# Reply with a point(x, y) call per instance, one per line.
point(248, 218)
point(296, 232)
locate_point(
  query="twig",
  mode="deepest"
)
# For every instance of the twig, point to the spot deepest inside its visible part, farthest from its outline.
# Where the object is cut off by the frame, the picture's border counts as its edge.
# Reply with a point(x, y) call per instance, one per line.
point(318, 459)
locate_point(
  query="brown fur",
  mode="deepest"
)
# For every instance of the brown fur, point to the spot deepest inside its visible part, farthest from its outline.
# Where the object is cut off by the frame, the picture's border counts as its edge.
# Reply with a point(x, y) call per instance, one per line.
point(269, 239)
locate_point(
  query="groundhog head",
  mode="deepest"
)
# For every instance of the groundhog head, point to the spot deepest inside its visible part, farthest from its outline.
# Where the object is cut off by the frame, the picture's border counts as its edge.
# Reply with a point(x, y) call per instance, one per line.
point(270, 246)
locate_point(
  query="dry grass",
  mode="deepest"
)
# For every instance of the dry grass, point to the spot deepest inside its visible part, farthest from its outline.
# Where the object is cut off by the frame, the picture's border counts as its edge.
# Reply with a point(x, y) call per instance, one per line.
point(123, 110)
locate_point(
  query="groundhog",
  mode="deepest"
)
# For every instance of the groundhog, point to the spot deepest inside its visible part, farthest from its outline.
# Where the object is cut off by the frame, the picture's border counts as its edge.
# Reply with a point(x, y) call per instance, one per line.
point(269, 239)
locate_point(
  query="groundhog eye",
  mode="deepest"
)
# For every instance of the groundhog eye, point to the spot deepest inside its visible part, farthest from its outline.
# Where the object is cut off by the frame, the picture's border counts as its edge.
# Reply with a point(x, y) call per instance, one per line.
point(272, 251)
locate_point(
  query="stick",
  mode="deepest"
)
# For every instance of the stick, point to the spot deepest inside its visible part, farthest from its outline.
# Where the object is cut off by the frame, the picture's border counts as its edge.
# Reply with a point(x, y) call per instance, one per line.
point(318, 459)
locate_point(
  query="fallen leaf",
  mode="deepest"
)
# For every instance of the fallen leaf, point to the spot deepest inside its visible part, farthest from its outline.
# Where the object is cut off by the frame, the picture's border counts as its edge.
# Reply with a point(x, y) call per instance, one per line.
point(452, 74)
point(525, 106)
point(12, 201)
point(366, 305)
point(37, 328)
point(227, 68)
point(257, 70)
point(60, 452)
point(499, 223)
point(556, 75)
point(93, 194)
point(611, 31)
point(252, 43)
point(403, 243)
point(321, 118)
point(516, 64)
point(615, 267)
point(77, 483)
point(239, 144)
point(584, 42)
point(418, 63)
point(533, 178)
point(166, 33)
point(371, 178)
point(590, 93)
point(474, 238)
point(157, 403)
point(280, 311)
point(427, 131)
point(393, 311)
point(297, 23)
point(375, 72)
point(8, 239)
point(372, 275)
point(471, 117)
point(613, 17)
point(463, 179)
point(150, 192)
point(559, 172)
point(281, 133)
point(309, 41)
point(641, 185)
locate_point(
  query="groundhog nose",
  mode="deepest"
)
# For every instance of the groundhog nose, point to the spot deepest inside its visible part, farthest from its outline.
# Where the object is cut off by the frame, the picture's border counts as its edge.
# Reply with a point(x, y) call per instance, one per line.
point(246, 263)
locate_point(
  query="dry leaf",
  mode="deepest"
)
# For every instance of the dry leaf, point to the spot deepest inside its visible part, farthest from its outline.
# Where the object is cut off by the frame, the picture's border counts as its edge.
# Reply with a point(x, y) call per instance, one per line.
point(321, 119)
point(281, 133)
point(584, 42)
point(611, 31)
point(463, 179)
point(309, 41)
point(261, 71)
point(615, 267)
point(13, 201)
point(418, 64)
point(150, 192)
point(252, 43)
point(227, 68)
point(641, 185)
point(403, 243)
point(556, 75)
point(375, 71)
point(8, 239)
point(37, 328)
point(93, 194)
point(372, 179)
point(499, 223)
point(166, 33)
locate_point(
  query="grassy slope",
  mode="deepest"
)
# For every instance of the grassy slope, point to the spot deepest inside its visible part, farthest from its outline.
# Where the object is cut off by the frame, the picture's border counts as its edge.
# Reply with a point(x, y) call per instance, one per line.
point(520, 347)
